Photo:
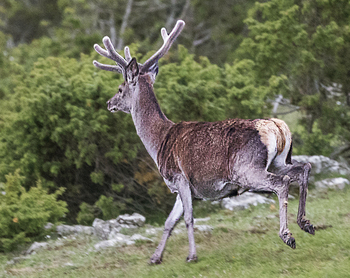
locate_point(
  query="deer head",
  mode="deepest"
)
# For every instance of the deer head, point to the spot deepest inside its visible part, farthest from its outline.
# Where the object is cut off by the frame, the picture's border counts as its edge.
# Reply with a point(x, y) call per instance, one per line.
point(131, 70)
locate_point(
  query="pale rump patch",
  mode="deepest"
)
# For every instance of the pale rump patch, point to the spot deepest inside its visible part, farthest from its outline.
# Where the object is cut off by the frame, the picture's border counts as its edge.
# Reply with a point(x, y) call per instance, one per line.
point(274, 132)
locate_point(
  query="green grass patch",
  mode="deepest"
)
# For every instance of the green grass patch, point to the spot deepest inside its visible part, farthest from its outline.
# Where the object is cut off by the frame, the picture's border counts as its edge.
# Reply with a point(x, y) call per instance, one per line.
point(243, 244)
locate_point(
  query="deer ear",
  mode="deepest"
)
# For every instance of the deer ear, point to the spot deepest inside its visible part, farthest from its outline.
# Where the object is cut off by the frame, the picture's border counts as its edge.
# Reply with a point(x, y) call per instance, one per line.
point(132, 71)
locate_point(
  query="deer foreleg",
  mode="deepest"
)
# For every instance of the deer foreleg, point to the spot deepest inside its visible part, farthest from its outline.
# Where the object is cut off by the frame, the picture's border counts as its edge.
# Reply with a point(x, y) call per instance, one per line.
point(186, 198)
point(170, 223)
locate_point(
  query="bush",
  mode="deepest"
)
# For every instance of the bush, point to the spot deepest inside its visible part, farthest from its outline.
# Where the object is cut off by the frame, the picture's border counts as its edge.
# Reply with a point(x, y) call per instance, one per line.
point(105, 208)
point(86, 214)
point(23, 214)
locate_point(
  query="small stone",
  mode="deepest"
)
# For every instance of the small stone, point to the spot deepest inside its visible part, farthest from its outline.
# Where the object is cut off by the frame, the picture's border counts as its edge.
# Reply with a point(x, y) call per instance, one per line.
point(203, 228)
point(69, 264)
point(201, 219)
point(36, 246)
point(140, 237)
point(153, 231)
point(105, 244)
point(48, 226)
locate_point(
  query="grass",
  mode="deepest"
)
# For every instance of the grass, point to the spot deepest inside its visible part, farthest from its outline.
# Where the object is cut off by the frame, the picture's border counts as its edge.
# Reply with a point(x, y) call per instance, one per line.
point(243, 244)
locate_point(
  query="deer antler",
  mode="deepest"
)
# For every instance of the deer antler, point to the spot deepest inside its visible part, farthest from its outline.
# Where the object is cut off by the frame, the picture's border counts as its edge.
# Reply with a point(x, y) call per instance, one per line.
point(168, 41)
point(123, 62)
point(113, 55)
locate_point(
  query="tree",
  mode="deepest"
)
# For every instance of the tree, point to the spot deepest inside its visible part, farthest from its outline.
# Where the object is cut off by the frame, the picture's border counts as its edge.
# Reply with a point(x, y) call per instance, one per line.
point(305, 42)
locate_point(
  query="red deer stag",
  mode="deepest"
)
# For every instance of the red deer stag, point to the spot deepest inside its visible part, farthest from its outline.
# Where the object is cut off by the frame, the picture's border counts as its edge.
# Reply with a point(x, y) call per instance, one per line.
point(206, 160)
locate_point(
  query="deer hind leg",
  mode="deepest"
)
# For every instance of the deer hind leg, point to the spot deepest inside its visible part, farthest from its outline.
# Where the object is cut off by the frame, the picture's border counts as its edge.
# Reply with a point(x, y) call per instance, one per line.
point(279, 184)
point(282, 194)
point(170, 223)
point(300, 172)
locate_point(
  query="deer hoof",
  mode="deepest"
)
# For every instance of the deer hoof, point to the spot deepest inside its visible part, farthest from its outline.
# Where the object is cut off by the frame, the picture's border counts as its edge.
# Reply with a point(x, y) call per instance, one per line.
point(307, 227)
point(192, 258)
point(289, 240)
point(155, 260)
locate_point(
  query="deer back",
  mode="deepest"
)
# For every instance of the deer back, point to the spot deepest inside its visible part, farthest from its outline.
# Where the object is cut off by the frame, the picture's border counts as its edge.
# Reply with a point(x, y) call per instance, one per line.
point(208, 151)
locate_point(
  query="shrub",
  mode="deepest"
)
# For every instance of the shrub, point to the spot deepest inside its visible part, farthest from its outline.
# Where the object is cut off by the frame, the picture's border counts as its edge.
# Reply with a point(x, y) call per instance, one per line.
point(23, 214)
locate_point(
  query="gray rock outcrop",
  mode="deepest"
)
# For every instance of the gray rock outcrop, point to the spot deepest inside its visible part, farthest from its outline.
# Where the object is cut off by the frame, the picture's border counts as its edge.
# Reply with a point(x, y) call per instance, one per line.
point(64, 230)
point(244, 201)
point(323, 164)
point(103, 229)
point(332, 183)
point(36, 246)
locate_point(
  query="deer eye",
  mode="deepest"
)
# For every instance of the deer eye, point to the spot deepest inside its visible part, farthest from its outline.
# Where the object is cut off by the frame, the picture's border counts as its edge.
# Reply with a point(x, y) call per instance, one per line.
point(120, 90)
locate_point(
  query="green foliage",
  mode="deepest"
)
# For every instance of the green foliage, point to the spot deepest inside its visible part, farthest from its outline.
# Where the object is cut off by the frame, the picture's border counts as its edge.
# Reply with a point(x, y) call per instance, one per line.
point(289, 38)
point(105, 208)
point(56, 121)
point(23, 214)
point(108, 207)
point(190, 90)
point(315, 143)
point(86, 214)
point(54, 125)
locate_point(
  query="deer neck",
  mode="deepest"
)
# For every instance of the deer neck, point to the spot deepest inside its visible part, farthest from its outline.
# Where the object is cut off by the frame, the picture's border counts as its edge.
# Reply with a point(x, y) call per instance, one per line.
point(150, 122)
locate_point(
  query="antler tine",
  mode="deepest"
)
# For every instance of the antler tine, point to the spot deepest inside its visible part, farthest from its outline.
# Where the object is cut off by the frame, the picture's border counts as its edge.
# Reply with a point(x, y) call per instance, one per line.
point(107, 67)
point(111, 54)
point(127, 54)
point(168, 41)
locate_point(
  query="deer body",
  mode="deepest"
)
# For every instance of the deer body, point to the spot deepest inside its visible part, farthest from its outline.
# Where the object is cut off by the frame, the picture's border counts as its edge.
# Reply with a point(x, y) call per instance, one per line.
point(206, 160)
point(216, 157)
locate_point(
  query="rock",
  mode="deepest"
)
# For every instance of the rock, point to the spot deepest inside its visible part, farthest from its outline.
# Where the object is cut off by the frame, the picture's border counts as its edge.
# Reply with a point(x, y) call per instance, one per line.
point(101, 228)
point(332, 183)
point(64, 230)
point(322, 164)
point(86, 230)
point(36, 246)
point(118, 236)
point(114, 240)
point(114, 224)
point(16, 260)
point(105, 244)
point(201, 219)
point(113, 232)
point(153, 231)
point(244, 201)
point(203, 228)
point(121, 239)
point(136, 220)
point(140, 237)
point(178, 230)
point(48, 226)
point(69, 264)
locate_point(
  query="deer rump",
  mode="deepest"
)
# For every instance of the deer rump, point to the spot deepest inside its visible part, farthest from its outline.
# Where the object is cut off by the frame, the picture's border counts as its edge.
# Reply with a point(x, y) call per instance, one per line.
point(215, 157)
